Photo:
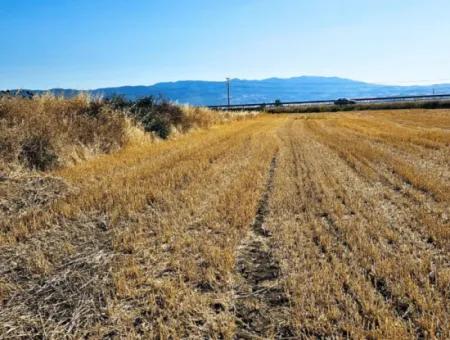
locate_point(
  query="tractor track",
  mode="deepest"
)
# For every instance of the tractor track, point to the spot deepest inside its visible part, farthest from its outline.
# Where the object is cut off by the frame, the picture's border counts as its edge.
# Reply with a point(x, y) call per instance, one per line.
point(260, 299)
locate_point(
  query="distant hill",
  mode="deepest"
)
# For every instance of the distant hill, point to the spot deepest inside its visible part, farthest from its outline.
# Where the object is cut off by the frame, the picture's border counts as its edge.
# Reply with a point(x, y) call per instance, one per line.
point(262, 91)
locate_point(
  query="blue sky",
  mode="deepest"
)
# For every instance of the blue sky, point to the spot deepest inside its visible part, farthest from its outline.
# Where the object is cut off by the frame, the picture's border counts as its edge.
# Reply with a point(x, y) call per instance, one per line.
point(100, 43)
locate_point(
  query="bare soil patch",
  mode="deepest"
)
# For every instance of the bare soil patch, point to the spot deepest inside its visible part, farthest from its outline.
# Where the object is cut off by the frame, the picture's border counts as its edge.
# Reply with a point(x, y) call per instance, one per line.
point(260, 298)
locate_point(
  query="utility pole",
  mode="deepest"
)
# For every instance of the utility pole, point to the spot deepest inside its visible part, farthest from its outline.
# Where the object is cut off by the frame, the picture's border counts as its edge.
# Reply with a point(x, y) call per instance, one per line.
point(228, 91)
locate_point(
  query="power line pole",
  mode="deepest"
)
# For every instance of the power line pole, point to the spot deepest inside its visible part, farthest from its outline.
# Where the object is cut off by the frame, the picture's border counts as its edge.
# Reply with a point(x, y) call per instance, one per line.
point(228, 91)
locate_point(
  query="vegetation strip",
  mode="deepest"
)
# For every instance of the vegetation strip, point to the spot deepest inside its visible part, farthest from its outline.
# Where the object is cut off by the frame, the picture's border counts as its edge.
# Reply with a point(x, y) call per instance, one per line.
point(259, 296)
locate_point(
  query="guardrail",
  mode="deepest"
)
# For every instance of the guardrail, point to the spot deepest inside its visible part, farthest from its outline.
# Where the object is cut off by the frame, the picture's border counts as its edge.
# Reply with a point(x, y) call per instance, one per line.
point(332, 101)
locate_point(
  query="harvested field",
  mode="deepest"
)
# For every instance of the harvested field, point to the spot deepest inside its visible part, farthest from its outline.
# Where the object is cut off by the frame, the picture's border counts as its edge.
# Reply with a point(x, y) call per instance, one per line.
point(281, 226)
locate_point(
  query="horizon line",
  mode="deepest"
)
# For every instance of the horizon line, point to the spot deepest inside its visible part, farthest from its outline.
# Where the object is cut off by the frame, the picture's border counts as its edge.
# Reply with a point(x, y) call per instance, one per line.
point(436, 82)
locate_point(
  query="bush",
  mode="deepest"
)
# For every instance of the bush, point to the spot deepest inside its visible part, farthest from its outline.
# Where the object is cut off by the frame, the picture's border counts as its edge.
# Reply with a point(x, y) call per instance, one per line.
point(38, 153)
point(431, 105)
point(8, 146)
point(118, 102)
point(443, 104)
point(157, 115)
point(45, 131)
point(160, 126)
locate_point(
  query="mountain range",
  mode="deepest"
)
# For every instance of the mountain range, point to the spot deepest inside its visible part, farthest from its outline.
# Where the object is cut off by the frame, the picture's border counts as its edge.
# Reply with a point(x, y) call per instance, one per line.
point(261, 91)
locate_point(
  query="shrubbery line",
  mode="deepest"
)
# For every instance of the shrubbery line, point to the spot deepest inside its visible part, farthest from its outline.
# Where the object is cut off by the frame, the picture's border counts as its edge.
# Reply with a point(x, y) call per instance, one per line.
point(44, 132)
point(436, 104)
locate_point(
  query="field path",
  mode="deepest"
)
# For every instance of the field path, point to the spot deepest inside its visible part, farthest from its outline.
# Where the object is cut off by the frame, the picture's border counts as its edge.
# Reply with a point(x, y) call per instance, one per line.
point(260, 298)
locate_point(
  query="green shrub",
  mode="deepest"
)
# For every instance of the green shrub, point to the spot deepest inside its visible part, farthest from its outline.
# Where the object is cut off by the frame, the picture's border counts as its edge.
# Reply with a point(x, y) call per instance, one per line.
point(444, 104)
point(157, 115)
point(431, 105)
point(160, 126)
point(118, 102)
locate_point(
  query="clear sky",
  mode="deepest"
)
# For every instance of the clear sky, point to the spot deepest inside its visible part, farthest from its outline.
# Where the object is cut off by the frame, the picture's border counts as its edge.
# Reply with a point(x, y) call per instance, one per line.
point(99, 43)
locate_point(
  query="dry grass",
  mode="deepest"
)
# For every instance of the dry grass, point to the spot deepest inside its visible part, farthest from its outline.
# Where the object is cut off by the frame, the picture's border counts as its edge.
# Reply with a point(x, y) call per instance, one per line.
point(47, 131)
point(121, 223)
point(278, 226)
point(366, 200)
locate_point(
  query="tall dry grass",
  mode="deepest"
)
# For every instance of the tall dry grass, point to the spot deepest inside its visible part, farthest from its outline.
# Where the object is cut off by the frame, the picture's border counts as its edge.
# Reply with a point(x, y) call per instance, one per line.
point(47, 131)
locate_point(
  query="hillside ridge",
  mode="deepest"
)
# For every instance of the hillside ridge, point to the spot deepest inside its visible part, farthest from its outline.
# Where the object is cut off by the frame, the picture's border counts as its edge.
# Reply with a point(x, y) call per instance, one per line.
point(243, 91)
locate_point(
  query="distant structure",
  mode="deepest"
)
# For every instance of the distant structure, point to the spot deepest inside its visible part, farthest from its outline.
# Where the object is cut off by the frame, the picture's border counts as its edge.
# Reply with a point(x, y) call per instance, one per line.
point(228, 91)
